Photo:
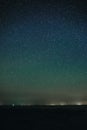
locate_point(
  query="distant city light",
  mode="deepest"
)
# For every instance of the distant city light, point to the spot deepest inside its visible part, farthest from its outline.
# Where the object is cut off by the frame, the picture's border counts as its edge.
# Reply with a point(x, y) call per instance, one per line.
point(13, 105)
point(62, 104)
point(79, 103)
point(52, 104)
point(58, 104)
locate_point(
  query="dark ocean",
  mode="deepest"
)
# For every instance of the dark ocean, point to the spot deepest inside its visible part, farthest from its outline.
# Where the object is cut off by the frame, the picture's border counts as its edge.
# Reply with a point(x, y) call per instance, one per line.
point(43, 117)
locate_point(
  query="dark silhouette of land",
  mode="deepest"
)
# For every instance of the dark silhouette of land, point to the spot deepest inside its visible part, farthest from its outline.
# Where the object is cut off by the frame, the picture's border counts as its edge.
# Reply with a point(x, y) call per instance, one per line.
point(43, 117)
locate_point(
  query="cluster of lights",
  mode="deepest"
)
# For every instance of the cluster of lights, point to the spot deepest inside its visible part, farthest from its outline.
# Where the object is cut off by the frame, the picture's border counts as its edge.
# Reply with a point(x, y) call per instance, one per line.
point(59, 104)
point(55, 104)
point(64, 103)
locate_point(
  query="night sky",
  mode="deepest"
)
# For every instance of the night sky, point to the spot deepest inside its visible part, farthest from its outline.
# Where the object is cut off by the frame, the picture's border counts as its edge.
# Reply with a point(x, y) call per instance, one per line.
point(43, 51)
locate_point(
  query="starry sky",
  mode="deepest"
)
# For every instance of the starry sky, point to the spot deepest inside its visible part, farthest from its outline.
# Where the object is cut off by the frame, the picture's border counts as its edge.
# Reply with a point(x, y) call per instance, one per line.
point(43, 51)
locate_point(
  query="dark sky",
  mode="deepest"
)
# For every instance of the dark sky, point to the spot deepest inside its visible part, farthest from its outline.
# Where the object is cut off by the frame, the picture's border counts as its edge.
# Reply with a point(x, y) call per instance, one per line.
point(43, 51)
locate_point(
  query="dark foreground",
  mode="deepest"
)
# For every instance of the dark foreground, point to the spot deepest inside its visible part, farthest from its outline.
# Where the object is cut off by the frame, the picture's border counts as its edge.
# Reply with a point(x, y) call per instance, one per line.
point(43, 117)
